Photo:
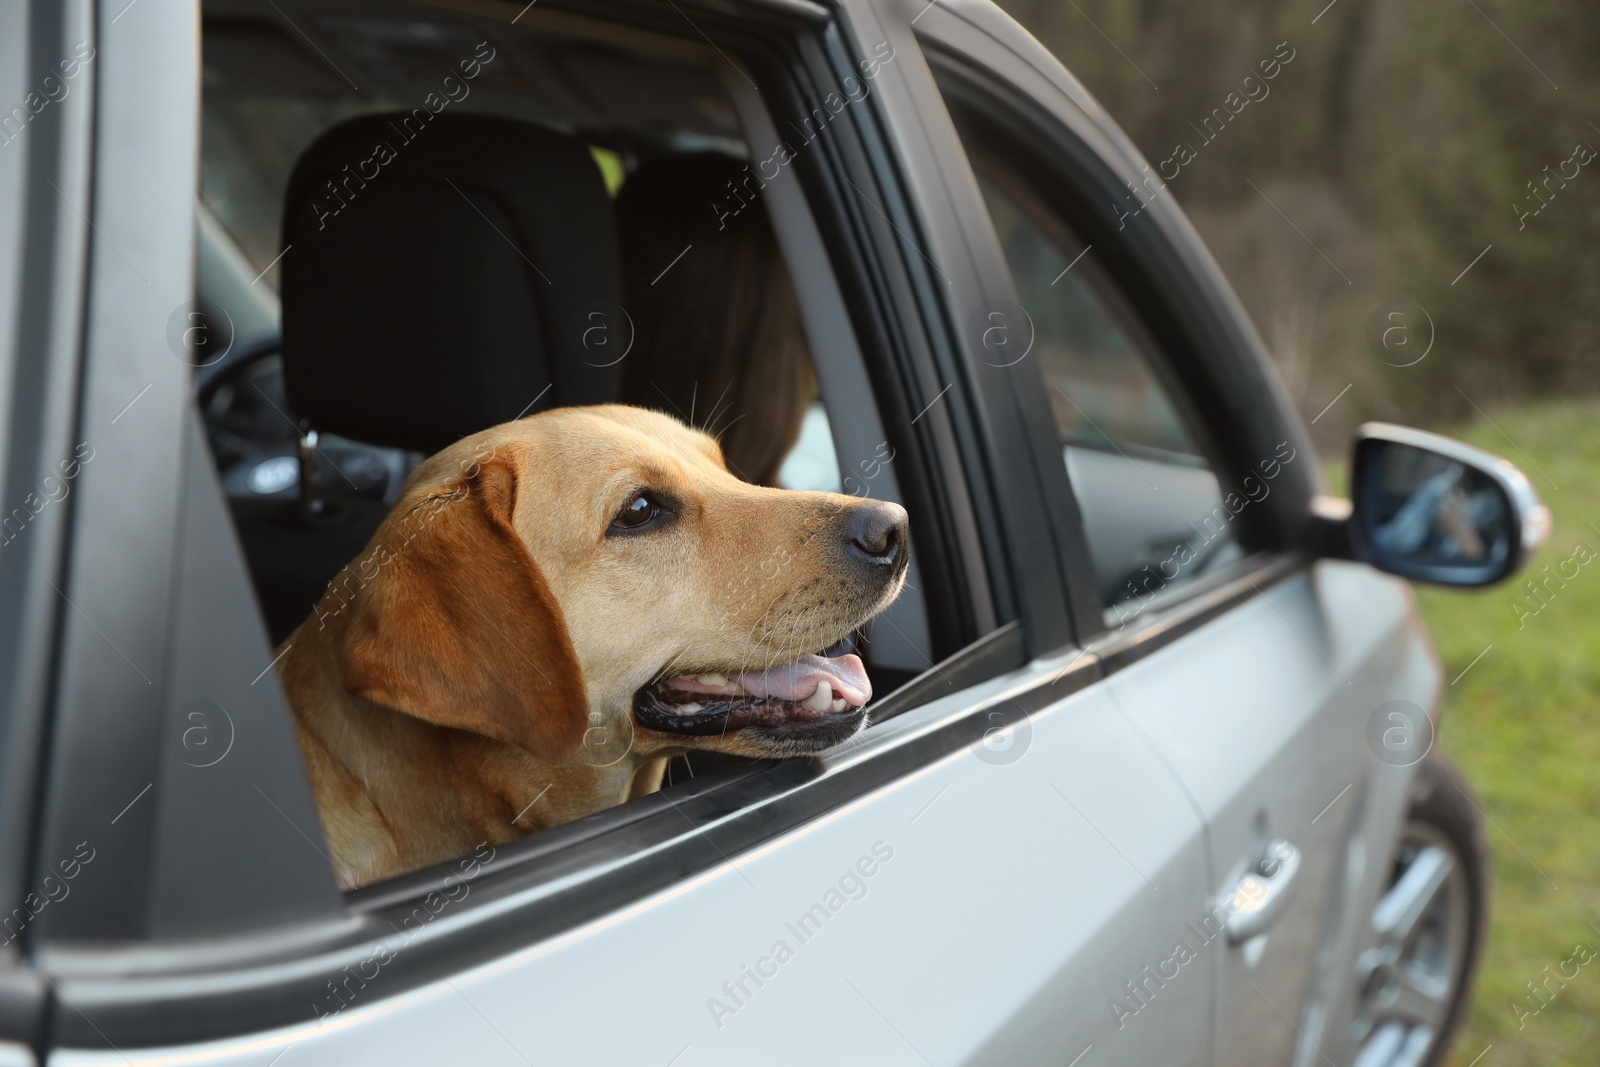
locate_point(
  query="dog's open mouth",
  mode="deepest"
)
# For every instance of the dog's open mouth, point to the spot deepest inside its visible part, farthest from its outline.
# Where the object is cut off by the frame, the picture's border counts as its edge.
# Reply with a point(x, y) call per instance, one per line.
point(811, 695)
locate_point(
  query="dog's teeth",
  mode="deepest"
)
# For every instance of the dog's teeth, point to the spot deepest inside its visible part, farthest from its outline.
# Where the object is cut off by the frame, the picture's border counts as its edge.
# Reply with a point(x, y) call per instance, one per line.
point(718, 680)
point(839, 704)
point(821, 700)
point(689, 709)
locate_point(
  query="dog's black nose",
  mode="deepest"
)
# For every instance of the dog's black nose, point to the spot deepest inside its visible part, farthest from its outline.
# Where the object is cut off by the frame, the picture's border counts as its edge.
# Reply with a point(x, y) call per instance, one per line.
point(877, 532)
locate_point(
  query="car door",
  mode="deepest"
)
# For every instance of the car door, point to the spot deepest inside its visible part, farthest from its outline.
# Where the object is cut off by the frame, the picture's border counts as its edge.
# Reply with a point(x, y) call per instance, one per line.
point(993, 867)
point(1256, 676)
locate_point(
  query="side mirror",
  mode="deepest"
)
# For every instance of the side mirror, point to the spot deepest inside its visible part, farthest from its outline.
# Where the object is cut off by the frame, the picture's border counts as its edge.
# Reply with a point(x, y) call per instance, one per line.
point(1431, 509)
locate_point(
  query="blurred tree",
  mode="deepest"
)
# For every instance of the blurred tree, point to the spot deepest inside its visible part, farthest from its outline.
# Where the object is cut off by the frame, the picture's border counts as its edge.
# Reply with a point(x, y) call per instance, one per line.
point(1398, 140)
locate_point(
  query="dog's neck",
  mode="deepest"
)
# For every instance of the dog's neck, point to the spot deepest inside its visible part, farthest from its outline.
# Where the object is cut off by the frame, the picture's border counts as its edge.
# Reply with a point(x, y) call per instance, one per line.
point(397, 793)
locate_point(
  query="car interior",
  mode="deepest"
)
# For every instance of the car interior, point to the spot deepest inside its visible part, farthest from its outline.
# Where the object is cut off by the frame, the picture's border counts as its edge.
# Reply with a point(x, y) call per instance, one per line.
point(417, 221)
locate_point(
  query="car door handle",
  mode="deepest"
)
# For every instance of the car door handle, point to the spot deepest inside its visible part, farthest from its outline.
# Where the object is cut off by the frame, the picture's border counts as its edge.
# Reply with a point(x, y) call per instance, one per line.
point(1262, 893)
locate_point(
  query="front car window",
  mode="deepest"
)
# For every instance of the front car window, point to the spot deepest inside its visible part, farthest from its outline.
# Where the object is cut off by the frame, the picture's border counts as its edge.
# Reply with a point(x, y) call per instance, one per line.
point(1153, 511)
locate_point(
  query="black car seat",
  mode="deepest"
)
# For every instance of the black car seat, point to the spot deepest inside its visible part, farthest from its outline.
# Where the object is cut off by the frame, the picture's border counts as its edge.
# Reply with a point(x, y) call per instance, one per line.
point(440, 274)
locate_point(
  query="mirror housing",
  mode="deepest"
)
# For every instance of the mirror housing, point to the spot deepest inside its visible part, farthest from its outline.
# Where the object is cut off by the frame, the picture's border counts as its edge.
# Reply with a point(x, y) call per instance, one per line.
point(1431, 509)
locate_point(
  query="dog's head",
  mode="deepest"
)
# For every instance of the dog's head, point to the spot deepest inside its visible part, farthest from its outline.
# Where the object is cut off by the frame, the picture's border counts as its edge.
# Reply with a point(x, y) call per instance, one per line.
point(591, 582)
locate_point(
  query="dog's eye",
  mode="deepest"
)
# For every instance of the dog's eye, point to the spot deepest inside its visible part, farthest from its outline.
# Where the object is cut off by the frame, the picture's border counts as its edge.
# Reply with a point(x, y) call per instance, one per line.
point(643, 511)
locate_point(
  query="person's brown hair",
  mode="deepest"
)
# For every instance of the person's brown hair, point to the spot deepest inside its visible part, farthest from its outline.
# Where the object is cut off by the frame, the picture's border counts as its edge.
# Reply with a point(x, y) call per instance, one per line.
point(717, 334)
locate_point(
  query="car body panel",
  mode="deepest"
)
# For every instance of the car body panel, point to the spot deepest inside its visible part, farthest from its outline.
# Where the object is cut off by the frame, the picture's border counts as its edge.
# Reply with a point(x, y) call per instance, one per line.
point(135, 392)
point(1263, 715)
point(1007, 880)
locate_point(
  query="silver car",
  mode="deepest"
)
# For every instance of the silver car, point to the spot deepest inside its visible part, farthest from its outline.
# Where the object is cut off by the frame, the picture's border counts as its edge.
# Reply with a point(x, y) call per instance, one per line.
point(1150, 778)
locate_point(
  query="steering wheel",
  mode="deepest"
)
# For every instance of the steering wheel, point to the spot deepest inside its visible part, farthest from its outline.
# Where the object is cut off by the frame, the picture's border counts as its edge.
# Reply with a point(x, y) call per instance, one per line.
point(209, 377)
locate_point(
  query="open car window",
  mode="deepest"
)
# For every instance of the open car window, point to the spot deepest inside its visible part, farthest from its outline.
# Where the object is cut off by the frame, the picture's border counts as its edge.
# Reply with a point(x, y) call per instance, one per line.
point(447, 223)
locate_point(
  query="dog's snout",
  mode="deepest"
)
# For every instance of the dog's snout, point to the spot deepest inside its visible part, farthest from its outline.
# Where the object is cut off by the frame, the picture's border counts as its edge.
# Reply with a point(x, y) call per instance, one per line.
point(877, 532)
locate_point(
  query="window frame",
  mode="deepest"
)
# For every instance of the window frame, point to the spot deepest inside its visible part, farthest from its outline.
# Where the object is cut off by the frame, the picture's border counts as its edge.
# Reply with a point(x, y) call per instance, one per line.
point(1185, 304)
point(45, 271)
point(142, 992)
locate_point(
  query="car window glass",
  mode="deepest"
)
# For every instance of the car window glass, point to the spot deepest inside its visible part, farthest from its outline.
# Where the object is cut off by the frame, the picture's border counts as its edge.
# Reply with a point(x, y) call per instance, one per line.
point(812, 464)
point(1152, 509)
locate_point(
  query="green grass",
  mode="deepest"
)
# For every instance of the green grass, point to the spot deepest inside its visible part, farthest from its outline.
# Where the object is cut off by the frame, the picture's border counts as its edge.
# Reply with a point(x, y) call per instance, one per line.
point(1524, 724)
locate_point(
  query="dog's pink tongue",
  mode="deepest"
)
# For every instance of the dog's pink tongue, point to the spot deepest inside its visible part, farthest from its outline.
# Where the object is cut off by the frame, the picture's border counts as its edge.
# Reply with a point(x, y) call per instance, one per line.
point(798, 680)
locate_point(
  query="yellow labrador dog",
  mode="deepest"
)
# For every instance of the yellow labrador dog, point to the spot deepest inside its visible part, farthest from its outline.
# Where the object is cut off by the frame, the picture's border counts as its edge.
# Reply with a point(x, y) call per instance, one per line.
point(556, 607)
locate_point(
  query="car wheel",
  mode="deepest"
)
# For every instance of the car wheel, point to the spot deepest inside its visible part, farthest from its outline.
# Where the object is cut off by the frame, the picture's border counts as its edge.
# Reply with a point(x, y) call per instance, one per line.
point(1415, 983)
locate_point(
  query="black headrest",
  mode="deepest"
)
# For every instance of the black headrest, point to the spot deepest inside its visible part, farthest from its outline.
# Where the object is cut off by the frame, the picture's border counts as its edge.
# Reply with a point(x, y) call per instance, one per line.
point(441, 270)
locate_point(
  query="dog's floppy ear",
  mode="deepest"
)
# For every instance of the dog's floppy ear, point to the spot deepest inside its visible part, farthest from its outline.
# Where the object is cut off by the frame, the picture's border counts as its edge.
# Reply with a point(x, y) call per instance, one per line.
point(458, 627)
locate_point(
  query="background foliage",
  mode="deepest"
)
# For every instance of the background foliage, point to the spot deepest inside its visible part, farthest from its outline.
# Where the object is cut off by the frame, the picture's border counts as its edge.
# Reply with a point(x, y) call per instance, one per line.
point(1398, 141)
